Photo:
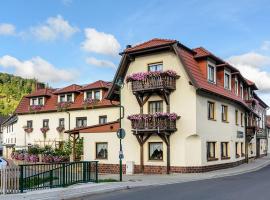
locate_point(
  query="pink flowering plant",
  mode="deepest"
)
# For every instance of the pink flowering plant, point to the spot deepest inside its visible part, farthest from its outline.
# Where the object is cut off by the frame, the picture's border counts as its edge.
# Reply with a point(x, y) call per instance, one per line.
point(44, 130)
point(90, 102)
point(28, 129)
point(61, 106)
point(60, 129)
point(144, 75)
point(170, 116)
point(35, 108)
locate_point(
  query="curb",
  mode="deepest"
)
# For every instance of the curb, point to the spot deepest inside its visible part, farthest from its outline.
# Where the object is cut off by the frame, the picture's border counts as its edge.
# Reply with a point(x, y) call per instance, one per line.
point(60, 194)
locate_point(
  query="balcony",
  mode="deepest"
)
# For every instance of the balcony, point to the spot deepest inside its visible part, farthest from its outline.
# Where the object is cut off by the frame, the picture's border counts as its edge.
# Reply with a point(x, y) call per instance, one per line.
point(153, 81)
point(159, 122)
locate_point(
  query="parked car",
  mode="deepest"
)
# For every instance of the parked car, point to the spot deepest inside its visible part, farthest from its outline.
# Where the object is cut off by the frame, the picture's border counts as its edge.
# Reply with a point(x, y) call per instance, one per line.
point(3, 163)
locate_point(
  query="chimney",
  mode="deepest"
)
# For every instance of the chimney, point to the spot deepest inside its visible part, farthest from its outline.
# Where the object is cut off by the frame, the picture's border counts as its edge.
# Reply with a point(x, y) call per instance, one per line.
point(128, 46)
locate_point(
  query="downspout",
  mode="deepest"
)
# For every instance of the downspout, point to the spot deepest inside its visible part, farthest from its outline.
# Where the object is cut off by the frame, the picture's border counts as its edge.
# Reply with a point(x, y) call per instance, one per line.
point(246, 140)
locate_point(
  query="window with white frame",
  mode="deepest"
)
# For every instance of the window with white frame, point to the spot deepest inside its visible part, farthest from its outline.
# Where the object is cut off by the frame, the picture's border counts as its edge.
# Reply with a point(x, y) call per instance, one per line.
point(37, 101)
point(155, 151)
point(211, 73)
point(155, 67)
point(211, 151)
point(224, 149)
point(97, 94)
point(241, 91)
point(227, 80)
point(236, 85)
point(62, 98)
point(65, 98)
point(88, 95)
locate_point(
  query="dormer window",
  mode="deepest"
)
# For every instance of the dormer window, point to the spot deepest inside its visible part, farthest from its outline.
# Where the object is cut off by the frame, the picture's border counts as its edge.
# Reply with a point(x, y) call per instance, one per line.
point(37, 101)
point(62, 98)
point(155, 67)
point(227, 80)
point(211, 73)
point(69, 97)
point(97, 94)
point(66, 97)
point(89, 95)
point(241, 91)
point(236, 85)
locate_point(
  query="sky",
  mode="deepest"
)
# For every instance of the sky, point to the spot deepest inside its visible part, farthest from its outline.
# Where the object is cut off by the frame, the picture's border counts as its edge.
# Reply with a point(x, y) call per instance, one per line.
point(78, 41)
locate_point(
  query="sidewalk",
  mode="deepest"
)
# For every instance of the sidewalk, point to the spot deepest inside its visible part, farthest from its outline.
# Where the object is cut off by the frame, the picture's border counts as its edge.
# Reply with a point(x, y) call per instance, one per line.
point(133, 181)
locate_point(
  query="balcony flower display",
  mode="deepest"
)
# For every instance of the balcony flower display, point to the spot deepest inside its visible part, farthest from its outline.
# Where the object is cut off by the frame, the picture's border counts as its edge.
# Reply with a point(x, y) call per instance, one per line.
point(60, 129)
point(170, 116)
point(35, 108)
point(31, 158)
point(63, 105)
point(44, 130)
point(90, 102)
point(28, 129)
point(144, 75)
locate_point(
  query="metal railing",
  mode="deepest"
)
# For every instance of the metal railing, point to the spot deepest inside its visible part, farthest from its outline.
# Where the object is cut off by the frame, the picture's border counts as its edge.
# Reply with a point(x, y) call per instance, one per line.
point(41, 176)
point(154, 83)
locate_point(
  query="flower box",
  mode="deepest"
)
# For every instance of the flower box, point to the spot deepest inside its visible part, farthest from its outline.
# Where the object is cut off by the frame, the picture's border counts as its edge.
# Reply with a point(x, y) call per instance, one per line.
point(61, 106)
point(35, 108)
point(60, 129)
point(28, 129)
point(90, 102)
point(44, 129)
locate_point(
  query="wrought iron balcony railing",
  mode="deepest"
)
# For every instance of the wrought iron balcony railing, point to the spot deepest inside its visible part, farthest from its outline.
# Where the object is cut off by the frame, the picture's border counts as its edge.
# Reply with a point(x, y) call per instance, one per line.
point(159, 122)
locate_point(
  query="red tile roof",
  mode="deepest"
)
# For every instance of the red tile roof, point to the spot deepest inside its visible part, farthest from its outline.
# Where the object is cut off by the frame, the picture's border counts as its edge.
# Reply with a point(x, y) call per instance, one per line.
point(41, 92)
point(68, 89)
point(150, 44)
point(51, 100)
point(110, 127)
point(96, 85)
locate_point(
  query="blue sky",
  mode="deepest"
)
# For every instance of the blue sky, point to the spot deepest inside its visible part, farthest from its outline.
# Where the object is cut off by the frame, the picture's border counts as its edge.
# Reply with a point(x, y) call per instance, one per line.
point(77, 41)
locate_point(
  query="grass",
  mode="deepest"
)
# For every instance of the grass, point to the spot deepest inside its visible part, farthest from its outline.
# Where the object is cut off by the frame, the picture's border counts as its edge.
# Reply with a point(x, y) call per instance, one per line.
point(107, 180)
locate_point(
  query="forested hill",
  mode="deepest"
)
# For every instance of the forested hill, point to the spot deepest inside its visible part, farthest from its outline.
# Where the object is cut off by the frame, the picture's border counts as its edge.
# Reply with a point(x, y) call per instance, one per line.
point(12, 89)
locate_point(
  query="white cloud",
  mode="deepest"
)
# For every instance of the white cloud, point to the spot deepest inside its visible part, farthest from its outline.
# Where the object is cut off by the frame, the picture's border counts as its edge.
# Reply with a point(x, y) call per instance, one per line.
point(100, 63)
point(100, 42)
point(37, 68)
point(66, 2)
point(54, 28)
point(265, 46)
point(7, 29)
point(251, 65)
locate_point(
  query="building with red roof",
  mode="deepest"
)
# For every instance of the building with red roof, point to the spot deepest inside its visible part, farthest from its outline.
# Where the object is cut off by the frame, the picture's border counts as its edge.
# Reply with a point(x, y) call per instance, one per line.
point(186, 110)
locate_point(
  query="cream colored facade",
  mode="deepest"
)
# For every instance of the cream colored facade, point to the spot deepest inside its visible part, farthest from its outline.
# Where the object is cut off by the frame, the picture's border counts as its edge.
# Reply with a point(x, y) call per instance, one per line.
point(194, 129)
point(20, 138)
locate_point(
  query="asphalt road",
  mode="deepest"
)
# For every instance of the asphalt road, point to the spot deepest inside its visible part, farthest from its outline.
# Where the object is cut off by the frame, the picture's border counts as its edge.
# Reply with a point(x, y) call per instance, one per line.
point(250, 186)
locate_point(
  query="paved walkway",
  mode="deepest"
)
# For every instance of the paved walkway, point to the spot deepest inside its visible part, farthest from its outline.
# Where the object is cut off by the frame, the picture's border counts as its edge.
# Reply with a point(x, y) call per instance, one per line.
point(133, 181)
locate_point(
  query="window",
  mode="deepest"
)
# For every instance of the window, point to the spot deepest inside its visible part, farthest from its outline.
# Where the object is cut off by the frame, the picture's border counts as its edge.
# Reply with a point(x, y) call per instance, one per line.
point(97, 94)
point(61, 122)
point(62, 98)
point(103, 119)
point(81, 122)
point(155, 106)
point(155, 67)
point(242, 119)
point(155, 151)
point(236, 150)
point(211, 110)
point(211, 151)
point(236, 86)
point(34, 101)
point(224, 150)
point(241, 91)
point(236, 117)
point(69, 98)
point(40, 101)
point(224, 113)
point(242, 149)
point(102, 150)
point(89, 95)
point(211, 73)
point(45, 123)
point(29, 124)
point(227, 80)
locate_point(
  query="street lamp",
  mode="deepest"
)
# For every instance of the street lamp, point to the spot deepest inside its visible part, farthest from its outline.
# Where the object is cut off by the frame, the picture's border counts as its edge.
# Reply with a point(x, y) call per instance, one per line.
point(121, 132)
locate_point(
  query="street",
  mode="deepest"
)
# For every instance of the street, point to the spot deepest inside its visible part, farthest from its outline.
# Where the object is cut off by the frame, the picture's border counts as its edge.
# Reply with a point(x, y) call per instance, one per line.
point(250, 186)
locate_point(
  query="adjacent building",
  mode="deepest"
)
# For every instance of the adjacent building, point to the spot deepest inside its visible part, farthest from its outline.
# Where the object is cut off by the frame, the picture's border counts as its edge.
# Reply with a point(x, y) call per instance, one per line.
point(43, 116)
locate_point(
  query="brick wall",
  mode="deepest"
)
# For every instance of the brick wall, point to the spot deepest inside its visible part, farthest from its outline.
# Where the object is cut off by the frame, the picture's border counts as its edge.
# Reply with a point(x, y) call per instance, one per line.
point(149, 169)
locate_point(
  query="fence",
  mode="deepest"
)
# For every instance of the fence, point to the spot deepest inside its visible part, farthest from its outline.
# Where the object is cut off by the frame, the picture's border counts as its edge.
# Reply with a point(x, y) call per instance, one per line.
point(41, 176)
point(9, 179)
